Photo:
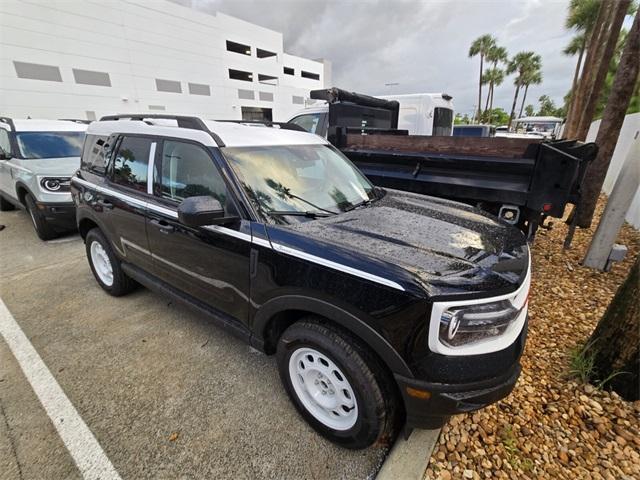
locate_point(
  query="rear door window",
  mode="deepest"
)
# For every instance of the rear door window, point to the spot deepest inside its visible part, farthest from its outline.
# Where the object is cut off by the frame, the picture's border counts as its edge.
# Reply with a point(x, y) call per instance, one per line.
point(131, 162)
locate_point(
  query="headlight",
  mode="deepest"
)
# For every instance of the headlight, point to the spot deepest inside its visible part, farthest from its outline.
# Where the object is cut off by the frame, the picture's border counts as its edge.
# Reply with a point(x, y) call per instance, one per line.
point(479, 326)
point(476, 323)
point(55, 184)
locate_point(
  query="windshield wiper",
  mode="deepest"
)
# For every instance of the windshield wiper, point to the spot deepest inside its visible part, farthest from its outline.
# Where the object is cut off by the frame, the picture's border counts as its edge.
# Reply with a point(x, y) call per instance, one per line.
point(298, 213)
point(363, 203)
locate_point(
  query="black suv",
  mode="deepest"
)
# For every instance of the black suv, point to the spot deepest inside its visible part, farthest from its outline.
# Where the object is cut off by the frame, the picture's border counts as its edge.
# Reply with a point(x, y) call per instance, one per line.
point(383, 308)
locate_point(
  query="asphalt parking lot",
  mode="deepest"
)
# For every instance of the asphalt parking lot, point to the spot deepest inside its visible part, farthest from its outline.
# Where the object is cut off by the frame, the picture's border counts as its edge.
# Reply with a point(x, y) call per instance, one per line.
point(165, 393)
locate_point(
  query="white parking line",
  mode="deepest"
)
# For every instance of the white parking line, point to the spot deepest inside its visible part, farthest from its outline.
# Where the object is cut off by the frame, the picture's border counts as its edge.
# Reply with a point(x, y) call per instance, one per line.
point(82, 445)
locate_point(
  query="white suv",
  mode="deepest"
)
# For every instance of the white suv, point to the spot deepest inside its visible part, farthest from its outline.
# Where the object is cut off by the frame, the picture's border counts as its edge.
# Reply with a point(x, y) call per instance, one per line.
point(37, 160)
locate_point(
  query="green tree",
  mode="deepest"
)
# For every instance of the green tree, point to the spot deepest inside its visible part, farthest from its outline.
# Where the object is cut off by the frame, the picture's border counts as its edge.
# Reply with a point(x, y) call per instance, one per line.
point(460, 120)
point(548, 107)
point(634, 105)
point(495, 116)
point(581, 17)
point(601, 41)
point(529, 110)
point(494, 76)
point(532, 77)
point(522, 64)
point(626, 80)
point(481, 46)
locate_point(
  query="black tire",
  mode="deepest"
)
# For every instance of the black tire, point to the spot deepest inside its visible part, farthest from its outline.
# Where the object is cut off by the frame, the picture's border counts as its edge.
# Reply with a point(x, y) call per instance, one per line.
point(43, 229)
point(121, 283)
point(375, 392)
point(6, 206)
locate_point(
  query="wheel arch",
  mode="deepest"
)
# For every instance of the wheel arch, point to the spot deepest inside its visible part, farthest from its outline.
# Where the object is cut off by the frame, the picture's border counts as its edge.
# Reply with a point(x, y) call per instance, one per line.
point(86, 221)
point(22, 190)
point(276, 315)
point(85, 225)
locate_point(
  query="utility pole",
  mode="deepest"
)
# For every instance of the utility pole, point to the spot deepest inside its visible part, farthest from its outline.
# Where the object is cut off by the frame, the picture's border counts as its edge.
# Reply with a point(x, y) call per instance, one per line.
point(612, 219)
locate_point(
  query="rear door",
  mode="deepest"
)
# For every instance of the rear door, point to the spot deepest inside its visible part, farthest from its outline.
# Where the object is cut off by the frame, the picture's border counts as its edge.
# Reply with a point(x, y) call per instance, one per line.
point(123, 201)
point(211, 264)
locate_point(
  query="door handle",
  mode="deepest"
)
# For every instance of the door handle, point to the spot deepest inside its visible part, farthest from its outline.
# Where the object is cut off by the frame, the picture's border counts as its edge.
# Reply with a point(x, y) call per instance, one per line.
point(163, 225)
point(106, 204)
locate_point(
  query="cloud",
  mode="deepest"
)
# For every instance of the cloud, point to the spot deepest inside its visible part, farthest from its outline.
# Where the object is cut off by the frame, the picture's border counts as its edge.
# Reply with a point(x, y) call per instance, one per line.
point(421, 45)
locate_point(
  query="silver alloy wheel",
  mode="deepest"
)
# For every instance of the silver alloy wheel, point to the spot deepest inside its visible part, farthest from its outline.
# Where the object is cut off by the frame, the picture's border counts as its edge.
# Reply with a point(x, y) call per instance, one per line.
point(323, 389)
point(101, 263)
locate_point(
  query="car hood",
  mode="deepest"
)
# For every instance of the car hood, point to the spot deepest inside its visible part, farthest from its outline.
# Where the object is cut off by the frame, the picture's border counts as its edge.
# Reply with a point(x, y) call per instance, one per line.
point(445, 246)
point(65, 166)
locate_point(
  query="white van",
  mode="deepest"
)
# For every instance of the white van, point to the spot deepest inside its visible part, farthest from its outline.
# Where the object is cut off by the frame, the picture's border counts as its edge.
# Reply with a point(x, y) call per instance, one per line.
point(420, 114)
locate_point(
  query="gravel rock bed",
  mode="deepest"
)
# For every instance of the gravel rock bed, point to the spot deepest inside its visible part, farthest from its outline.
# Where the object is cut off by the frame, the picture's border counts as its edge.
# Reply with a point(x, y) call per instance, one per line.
point(550, 426)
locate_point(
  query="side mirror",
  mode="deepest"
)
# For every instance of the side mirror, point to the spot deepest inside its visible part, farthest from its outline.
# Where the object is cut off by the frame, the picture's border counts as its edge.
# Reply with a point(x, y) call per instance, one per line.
point(200, 211)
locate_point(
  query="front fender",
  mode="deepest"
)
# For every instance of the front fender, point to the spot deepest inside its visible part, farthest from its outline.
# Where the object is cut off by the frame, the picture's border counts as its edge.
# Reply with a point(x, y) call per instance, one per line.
point(334, 313)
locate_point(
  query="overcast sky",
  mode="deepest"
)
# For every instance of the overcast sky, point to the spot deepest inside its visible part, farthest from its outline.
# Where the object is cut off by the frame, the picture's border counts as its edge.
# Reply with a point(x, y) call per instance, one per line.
point(421, 45)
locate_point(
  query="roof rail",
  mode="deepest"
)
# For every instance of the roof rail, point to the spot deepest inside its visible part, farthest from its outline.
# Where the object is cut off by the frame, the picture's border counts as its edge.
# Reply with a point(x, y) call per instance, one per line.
point(8, 121)
point(268, 123)
point(76, 120)
point(184, 121)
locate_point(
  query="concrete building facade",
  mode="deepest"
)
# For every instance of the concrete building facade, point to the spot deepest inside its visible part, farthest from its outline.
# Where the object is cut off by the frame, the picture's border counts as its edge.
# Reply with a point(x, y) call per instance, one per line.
point(84, 59)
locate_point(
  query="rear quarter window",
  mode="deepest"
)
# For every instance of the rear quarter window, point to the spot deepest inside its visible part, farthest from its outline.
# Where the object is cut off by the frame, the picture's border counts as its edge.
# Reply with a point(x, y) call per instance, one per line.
point(94, 154)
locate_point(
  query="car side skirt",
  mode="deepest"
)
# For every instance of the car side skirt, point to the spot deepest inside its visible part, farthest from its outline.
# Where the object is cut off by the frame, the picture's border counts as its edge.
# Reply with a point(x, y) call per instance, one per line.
point(153, 283)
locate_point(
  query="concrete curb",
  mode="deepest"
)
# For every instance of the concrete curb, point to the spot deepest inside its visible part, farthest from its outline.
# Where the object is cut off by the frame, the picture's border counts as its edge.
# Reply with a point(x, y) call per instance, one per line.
point(409, 459)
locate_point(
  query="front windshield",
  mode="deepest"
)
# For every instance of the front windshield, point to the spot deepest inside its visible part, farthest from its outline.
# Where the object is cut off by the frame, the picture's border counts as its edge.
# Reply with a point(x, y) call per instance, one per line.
point(298, 178)
point(50, 144)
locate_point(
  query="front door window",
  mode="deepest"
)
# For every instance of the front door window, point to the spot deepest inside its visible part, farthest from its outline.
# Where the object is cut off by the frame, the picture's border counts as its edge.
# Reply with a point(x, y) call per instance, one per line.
point(188, 171)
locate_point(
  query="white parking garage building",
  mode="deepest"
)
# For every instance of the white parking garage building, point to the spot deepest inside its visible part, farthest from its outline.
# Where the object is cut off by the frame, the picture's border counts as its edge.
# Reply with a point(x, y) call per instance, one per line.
point(145, 56)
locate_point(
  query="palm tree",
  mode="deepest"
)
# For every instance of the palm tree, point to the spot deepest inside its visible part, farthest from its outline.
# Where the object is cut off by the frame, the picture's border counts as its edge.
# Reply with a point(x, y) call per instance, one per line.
point(481, 46)
point(494, 77)
point(495, 55)
point(576, 46)
point(532, 77)
point(625, 81)
point(523, 63)
point(582, 14)
point(581, 18)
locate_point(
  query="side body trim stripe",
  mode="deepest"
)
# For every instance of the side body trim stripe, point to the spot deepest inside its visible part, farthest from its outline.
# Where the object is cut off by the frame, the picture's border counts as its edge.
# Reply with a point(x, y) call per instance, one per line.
point(243, 236)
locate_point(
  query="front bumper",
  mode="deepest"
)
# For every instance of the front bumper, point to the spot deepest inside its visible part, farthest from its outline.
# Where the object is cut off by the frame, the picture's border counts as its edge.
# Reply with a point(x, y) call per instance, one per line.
point(445, 400)
point(61, 216)
point(466, 384)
